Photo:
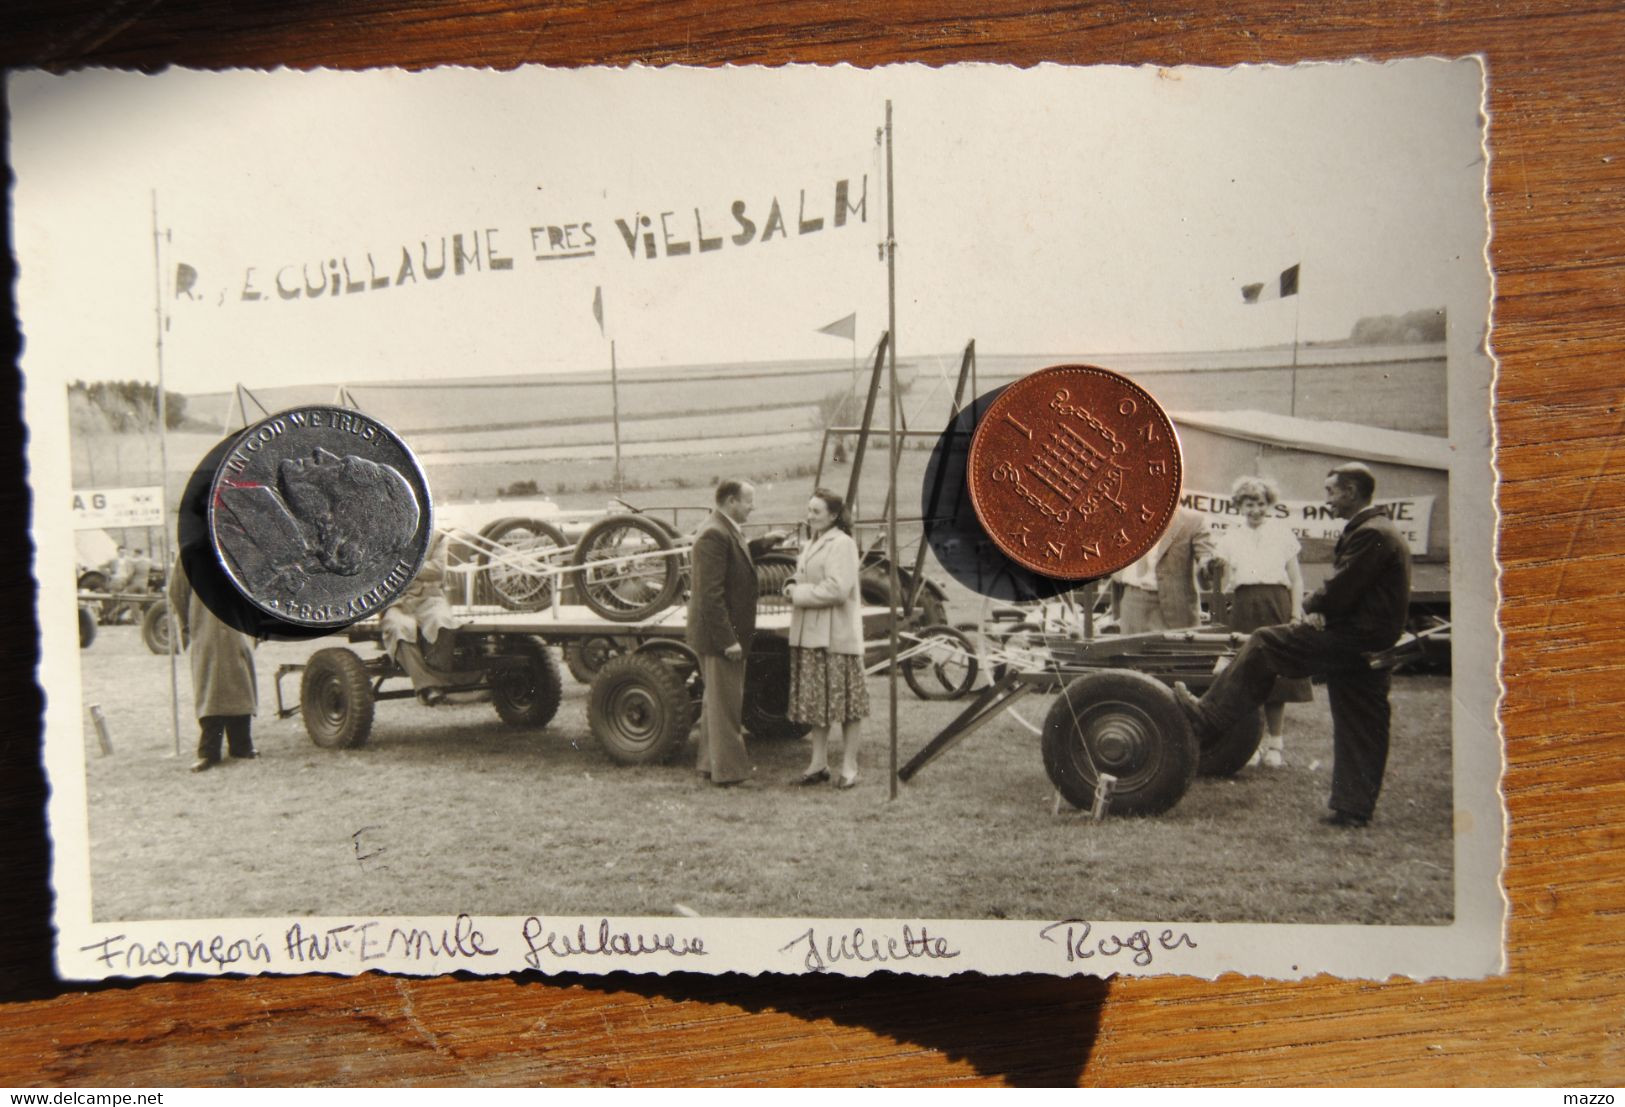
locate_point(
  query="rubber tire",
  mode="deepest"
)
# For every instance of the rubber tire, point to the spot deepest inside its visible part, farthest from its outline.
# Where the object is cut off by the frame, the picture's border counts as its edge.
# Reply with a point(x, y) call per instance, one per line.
point(1153, 772)
point(655, 695)
point(1229, 753)
point(767, 692)
point(682, 662)
point(584, 662)
point(92, 580)
point(927, 681)
point(335, 699)
point(158, 629)
point(531, 698)
point(512, 600)
point(87, 628)
point(671, 585)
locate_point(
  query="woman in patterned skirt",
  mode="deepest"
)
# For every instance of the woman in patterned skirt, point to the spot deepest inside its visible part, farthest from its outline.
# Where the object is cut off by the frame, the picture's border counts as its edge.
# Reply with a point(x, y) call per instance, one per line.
point(1261, 566)
point(826, 640)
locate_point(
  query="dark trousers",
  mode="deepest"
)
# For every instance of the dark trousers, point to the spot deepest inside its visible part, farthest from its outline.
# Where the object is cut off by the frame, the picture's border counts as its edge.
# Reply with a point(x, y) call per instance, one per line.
point(1358, 695)
point(233, 728)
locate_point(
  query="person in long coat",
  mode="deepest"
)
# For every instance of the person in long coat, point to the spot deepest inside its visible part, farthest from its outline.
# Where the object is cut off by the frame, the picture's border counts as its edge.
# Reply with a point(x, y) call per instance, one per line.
point(224, 692)
point(721, 623)
point(827, 689)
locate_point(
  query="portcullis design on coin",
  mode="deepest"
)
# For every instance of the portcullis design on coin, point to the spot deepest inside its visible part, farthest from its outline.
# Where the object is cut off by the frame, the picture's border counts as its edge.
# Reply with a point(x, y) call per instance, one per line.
point(320, 515)
point(1074, 471)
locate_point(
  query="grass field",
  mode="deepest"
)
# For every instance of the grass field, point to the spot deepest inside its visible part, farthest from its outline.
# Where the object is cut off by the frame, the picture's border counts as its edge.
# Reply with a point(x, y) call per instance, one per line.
point(447, 810)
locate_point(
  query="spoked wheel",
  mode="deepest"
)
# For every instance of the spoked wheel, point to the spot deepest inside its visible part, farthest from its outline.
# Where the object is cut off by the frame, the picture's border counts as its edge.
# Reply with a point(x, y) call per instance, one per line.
point(335, 698)
point(1125, 724)
point(526, 688)
point(516, 575)
point(622, 572)
point(638, 709)
point(945, 666)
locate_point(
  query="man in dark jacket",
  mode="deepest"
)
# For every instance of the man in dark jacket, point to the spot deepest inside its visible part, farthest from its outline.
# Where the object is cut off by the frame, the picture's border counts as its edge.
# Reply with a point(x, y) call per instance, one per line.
point(1360, 609)
point(721, 621)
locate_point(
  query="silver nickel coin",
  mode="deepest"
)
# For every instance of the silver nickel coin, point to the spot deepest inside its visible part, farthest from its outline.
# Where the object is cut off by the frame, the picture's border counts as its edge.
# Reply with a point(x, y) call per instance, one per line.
point(320, 515)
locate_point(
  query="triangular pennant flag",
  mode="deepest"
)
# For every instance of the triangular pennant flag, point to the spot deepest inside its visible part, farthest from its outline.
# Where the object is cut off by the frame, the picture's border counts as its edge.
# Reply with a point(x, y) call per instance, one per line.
point(846, 327)
point(598, 307)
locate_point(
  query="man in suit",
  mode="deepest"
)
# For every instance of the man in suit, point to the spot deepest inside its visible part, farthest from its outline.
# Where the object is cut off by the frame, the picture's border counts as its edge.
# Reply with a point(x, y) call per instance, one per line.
point(1159, 591)
point(1360, 609)
point(721, 621)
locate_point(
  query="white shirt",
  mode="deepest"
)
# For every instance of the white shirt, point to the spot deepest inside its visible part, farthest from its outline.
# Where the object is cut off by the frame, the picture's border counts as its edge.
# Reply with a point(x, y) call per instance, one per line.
point(1258, 555)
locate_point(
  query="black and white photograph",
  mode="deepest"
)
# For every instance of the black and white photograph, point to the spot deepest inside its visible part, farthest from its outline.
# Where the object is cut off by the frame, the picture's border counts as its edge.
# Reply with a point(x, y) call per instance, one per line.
point(522, 520)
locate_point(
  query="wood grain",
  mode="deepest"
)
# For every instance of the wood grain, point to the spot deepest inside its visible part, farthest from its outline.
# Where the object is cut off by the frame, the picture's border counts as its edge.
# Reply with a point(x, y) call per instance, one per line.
point(1558, 135)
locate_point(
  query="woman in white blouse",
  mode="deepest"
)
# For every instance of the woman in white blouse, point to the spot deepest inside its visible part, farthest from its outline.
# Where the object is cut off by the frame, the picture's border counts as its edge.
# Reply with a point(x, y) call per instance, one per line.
point(1261, 567)
point(827, 687)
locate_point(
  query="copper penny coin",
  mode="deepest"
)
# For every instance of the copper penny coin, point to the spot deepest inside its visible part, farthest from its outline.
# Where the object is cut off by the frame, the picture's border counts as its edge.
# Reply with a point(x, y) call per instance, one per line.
point(1074, 471)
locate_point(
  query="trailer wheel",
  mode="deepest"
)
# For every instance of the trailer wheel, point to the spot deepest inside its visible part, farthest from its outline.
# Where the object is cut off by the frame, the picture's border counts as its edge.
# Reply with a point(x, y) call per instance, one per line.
point(945, 668)
point(588, 655)
point(627, 591)
point(526, 689)
point(158, 629)
point(335, 699)
point(638, 709)
point(518, 586)
point(1229, 753)
point(1126, 724)
point(767, 691)
point(87, 628)
point(682, 662)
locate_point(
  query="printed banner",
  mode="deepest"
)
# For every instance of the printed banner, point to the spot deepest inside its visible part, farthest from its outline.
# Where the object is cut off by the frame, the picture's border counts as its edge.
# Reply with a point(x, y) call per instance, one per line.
point(835, 206)
point(1314, 520)
point(118, 507)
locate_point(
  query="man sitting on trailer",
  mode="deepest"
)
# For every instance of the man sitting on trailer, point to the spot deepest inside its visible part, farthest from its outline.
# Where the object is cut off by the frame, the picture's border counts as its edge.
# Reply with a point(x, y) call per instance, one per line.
point(721, 622)
point(1359, 610)
point(419, 629)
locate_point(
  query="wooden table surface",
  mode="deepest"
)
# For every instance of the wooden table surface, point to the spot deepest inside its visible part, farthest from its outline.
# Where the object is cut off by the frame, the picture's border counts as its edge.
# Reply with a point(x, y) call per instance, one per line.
point(1558, 140)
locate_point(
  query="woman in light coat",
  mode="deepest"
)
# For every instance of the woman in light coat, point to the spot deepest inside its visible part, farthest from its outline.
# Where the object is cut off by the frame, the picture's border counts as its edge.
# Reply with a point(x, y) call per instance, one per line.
point(827, 688)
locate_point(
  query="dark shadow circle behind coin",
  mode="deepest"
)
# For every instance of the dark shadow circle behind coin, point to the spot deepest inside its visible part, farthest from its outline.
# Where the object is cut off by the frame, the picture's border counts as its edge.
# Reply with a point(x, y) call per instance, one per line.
point(209, 580)
point(953, 531)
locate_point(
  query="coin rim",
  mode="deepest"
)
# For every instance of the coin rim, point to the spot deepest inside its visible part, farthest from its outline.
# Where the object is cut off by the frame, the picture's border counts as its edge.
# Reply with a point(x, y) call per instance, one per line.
point(278, 613)
point(973, 473)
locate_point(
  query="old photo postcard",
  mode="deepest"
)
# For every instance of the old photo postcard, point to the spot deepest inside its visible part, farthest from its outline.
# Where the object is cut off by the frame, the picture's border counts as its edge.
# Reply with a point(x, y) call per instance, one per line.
point(707, 666)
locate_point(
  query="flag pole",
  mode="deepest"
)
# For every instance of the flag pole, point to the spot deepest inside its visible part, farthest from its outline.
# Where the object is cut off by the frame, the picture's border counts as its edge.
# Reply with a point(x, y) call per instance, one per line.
point(615, 412)
point(894, 581)
point(163, 483)
point(1297, 312)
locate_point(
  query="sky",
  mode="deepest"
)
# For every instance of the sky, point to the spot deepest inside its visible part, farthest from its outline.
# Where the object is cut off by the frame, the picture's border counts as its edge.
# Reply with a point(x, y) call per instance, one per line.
point(1051, 210)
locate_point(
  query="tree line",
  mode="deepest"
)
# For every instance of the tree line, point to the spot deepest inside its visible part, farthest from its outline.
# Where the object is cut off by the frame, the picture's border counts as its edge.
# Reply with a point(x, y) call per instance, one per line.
point(122, 407)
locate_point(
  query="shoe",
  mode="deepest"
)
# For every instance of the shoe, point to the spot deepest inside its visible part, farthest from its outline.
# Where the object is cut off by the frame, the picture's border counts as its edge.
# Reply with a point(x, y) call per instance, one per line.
point(820, 776)
point(1255, 760)
point(251, 755)
point(1192, 707)
point(203, 764)
point(1274, 760)
point(1346, 820)
point(847, 782)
